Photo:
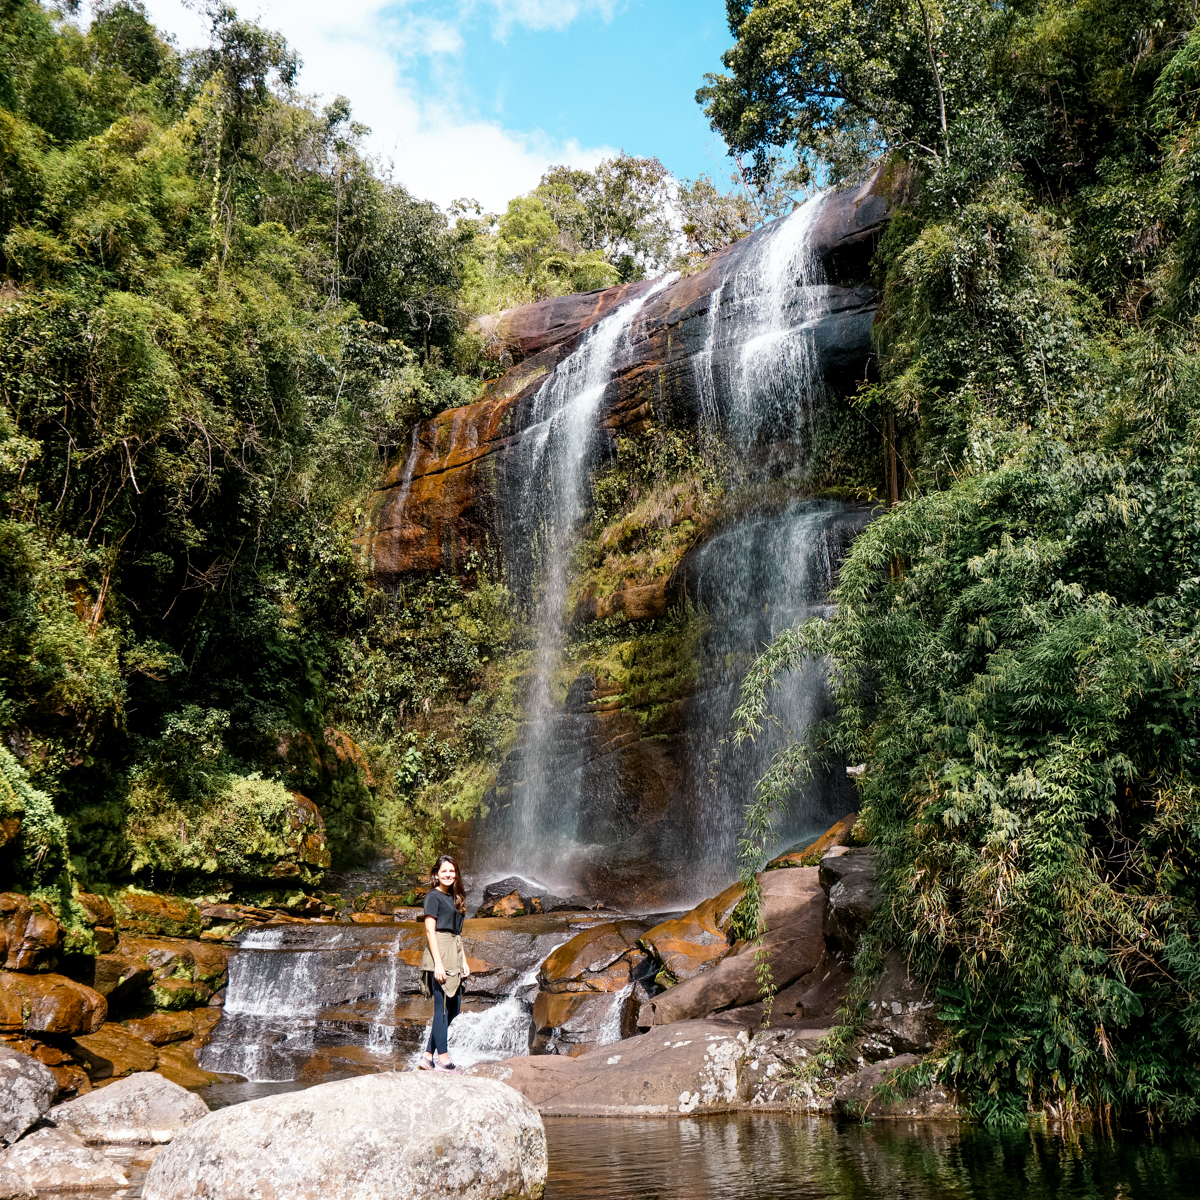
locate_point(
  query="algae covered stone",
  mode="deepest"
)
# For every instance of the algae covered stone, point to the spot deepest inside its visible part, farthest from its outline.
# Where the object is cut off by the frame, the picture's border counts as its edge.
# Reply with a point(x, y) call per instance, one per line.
point(378, 1137)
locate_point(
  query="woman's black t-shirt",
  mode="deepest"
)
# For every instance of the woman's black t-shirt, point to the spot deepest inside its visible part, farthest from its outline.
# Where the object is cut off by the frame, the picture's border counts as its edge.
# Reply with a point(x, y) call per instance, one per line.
point(440, 904)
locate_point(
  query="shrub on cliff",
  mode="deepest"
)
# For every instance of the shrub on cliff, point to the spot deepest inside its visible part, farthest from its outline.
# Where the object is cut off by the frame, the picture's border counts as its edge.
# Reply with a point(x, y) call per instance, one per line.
point(1014, 649)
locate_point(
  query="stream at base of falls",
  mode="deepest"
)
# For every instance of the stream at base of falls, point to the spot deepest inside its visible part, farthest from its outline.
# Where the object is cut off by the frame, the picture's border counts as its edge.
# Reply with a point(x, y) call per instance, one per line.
point(764, 1156)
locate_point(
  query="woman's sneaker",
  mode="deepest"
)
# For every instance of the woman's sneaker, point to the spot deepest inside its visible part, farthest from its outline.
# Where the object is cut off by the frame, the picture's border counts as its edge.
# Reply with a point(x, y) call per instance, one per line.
point(441, 1066)
point(425, 1062)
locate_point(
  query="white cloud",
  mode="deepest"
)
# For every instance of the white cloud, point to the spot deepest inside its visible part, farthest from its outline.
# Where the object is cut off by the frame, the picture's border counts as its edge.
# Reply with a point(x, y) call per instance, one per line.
point(364, 49)
point(547, 14)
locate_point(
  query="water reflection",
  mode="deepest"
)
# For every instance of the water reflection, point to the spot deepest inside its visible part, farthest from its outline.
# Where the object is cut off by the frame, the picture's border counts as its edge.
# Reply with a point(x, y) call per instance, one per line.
point(759, 1157)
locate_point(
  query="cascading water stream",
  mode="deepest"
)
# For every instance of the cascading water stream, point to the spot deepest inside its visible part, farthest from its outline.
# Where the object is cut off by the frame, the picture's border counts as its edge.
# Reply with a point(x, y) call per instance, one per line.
point(556, 449)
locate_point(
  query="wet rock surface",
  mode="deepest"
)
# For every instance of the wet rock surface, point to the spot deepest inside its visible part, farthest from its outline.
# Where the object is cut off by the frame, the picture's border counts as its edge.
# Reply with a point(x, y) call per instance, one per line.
point(139, 1108)
point(27, 1089)
point(395, 1135)
point(688, 946)
point(30, 936)
point(56, 1160)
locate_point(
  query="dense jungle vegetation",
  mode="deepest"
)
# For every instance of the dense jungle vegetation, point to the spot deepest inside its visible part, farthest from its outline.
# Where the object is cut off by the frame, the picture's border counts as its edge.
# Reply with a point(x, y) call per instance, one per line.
point(218, 318)
point(1015, 651)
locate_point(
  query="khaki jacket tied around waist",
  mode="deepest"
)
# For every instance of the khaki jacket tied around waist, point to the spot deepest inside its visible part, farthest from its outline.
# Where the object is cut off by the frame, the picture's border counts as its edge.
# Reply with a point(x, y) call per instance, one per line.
point(453, 959)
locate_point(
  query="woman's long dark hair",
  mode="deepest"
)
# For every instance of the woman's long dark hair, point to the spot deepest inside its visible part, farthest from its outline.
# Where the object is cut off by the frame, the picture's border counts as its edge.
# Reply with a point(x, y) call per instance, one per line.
point(457, 891)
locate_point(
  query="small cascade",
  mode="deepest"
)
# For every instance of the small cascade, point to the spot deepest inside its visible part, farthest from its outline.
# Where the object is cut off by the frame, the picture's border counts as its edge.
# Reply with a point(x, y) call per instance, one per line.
point(611, 1030)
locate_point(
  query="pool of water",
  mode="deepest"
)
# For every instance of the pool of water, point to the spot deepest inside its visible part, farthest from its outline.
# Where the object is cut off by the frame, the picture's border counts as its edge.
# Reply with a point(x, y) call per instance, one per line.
point(767, 1157)
point(762, 1156)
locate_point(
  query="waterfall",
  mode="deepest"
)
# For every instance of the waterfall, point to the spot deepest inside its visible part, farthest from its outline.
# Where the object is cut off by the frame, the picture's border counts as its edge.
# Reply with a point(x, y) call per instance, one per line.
point(556, 456)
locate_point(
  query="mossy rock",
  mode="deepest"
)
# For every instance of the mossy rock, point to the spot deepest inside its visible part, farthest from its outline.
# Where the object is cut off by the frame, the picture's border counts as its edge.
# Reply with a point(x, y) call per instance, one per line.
point(148, 915)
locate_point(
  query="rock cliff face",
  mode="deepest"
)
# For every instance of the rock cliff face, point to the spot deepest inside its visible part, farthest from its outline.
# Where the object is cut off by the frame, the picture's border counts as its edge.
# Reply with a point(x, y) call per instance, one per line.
point(451, 493)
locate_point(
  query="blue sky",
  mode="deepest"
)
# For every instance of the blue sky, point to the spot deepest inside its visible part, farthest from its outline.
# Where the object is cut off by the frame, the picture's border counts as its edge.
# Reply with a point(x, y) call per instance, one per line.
point(477, 97)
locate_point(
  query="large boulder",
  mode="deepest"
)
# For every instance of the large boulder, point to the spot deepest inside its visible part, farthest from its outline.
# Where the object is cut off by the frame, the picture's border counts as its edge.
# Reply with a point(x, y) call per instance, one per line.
point(50, 1004)
point(138, 1108)
point(394, 1136)
point(14, 1186)
point(573, 1022)
point(848, 877)
point(27, 1089)
point(675, 1069)
point(688, 946)
point(604, 958)
point(58, 1161)
point(182, 972)
point(793, 906)
point(31, 938)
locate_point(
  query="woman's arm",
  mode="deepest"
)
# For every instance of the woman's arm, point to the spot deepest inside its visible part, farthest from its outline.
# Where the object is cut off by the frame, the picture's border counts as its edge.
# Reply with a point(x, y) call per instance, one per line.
point(439, 968)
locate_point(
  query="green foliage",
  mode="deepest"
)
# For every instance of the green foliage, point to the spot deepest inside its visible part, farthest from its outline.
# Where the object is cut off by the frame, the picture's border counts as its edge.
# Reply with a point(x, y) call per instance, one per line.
point(1013, 652)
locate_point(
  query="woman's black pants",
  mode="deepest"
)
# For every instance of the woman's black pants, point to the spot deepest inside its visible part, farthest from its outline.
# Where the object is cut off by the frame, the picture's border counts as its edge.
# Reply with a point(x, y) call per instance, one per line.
point(445, 1009)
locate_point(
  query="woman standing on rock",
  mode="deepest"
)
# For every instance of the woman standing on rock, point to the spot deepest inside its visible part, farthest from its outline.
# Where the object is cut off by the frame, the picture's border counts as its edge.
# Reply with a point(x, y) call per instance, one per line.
point(444, 967)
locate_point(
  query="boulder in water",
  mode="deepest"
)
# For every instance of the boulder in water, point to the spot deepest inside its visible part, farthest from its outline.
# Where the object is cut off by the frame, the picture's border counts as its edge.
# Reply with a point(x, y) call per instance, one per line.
point(27, 1089)
point(138, 1108)
point(399, 1136)
point(55, 1160)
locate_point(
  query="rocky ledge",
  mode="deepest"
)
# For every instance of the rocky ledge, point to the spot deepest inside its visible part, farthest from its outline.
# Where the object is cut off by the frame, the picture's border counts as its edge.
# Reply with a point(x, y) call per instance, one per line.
point(693, 1035)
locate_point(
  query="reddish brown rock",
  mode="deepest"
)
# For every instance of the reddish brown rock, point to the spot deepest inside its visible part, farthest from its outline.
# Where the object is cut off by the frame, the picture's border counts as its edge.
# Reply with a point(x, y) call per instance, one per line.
point(575, 1022)
point(30, 935)
point(306, 841)
point(98, 910)
point(638, 602)
point(120, 977)
point(688, 946)
point(113, 1052)
point(595, 960)
point(837, 834)
point(507, 906)
point(52, 1003)
point(178, 1064)
point(161, 1028)
point(147, 915)
point(793, 906)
